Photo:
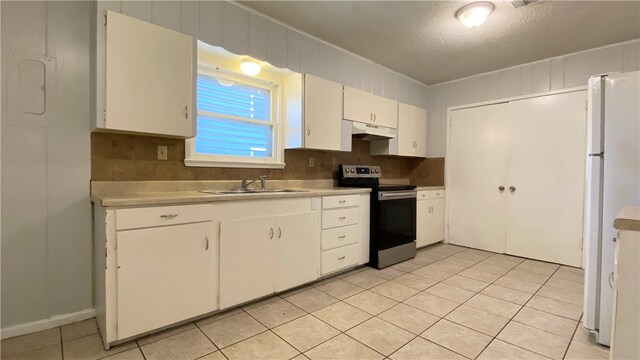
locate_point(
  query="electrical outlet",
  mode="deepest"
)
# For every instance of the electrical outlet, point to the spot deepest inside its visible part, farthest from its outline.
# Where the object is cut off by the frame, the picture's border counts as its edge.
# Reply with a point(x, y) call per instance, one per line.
point(163, 153)
point(312, 162)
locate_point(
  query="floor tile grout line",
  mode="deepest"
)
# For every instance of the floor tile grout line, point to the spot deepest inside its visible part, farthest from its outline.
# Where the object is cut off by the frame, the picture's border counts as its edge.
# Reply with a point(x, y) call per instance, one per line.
point(516, 314)
point(271, 329)
point(566, 351)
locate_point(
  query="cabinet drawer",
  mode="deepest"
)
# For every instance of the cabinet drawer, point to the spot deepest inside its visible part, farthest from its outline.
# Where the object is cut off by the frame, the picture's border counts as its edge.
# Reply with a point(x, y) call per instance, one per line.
point(430, 194)
point(341, 236)
point(339, 258)
point(332, 202)
point(339, 217)
point(161, 215)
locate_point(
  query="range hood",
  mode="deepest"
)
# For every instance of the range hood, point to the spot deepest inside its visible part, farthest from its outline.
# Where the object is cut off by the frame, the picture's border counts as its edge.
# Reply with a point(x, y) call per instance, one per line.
point(372, 132)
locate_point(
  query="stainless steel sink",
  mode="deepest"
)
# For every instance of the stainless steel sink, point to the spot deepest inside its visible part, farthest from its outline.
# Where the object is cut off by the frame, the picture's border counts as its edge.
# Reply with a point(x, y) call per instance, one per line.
point(250, 191)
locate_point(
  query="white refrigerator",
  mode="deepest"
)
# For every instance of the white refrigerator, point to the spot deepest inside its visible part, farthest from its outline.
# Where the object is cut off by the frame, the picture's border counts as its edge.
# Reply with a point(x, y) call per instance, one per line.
point(613, 181)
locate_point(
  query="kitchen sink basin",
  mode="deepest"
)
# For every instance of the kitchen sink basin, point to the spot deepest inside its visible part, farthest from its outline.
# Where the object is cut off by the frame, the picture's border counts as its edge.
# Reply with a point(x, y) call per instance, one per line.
point(250, 191)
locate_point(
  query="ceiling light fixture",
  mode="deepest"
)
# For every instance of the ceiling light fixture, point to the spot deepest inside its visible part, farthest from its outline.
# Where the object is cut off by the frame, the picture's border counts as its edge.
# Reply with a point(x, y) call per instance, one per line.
point(474, 14)
point(250, 67)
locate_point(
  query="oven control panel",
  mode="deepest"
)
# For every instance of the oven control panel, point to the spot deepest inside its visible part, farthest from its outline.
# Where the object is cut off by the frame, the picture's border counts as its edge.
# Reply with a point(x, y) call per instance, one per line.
point(359, 171)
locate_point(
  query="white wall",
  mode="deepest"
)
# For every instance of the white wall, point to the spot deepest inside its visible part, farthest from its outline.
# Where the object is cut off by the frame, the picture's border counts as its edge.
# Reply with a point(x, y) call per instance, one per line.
point(46, 213)
point(550, 74)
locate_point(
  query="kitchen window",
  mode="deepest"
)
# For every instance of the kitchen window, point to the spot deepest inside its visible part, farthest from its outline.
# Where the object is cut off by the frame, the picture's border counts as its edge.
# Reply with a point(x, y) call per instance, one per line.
point(237, 122)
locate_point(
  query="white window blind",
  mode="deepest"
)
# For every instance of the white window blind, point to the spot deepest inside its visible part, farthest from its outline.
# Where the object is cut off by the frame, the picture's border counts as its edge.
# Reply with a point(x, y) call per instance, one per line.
point(234, 119)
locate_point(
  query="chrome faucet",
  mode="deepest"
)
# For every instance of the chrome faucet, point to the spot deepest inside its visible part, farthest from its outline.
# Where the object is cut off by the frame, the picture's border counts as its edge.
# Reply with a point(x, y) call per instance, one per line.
point(246, 182)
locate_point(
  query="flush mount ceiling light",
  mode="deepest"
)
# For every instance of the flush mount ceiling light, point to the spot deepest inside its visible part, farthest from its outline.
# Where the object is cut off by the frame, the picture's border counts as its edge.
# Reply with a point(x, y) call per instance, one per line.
point(474, 14)
point(250, 67)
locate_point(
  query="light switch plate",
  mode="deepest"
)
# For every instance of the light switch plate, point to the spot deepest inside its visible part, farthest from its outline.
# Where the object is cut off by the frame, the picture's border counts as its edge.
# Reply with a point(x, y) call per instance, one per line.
point(162, 152)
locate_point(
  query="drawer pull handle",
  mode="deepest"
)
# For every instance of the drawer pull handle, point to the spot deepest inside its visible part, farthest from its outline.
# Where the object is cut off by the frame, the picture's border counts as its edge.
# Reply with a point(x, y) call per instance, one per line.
point(207, 246)
point(342, 201)
point(279, 232)
point(271, 234)
point(342, 218)
point(169, 216)
point(342, 236)
point(341, 258)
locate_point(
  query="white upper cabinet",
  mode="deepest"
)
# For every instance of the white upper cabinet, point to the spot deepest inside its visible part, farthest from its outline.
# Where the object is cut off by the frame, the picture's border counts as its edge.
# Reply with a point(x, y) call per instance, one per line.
point(314, 114)
point(144, 79)
point(368, 108)
point(412, 134)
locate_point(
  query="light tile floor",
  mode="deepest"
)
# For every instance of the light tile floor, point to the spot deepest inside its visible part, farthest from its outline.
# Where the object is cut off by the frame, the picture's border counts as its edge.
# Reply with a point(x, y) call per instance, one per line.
point(449, 302)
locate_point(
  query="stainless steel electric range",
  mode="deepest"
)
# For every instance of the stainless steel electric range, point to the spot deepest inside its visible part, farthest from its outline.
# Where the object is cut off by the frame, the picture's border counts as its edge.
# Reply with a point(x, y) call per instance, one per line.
point(393, 215)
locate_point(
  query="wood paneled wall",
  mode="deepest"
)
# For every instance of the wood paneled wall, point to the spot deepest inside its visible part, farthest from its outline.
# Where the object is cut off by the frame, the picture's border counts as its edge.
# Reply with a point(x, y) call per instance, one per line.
point(550, 74)
point(245, 32)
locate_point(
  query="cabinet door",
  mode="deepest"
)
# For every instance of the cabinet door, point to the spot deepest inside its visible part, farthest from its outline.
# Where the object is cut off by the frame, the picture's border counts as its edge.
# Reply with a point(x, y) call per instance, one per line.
point(165, 275)
point(247, 264)
point(406, 130)
point(297, 247)
point(357, 106)
point(435, 221)
point(420, 133)
point(148, 78)
point(477, 166)
point(385, 111)
point(322, 114)
point(422, 219)
point(547, 142)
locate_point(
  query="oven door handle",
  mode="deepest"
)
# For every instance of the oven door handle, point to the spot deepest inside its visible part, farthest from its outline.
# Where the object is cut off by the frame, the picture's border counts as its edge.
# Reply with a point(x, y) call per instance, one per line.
point(395, 195)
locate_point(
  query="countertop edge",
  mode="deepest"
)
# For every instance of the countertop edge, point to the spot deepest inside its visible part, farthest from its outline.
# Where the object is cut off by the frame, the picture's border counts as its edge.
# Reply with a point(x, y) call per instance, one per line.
point(195, 197)
point(628, 219)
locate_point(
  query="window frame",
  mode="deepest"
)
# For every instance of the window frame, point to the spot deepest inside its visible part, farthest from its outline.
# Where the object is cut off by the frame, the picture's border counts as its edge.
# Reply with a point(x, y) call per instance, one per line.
point(276, 161)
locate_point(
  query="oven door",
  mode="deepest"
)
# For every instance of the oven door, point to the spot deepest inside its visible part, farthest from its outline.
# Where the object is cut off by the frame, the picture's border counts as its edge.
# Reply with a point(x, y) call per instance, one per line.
point(396, 218)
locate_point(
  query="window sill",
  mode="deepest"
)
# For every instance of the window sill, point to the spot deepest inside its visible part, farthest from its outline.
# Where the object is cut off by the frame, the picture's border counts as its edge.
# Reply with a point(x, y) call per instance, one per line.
point(225, 164)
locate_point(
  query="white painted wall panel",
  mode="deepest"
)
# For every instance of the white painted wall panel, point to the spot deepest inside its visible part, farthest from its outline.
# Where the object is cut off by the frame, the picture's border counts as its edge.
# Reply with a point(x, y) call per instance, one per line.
point(598, 61)
point(258, 37)
point(69, 161)
point(631, 57)
point(577, 69)
point(557, 73)
point(137, 9)
point(276, 44)
point(189, 18)
point(210, 22)
point(526, 79)
point(46, 225)
point(614, 58)
point(235, 29)
point(167, 14)
point(541, 80)
point(294, 50)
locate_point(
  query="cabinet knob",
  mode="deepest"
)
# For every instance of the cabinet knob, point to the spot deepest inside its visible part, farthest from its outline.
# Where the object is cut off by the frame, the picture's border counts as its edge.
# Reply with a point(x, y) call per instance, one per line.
point(341, 258)
point(501, 188)
point(512, 189)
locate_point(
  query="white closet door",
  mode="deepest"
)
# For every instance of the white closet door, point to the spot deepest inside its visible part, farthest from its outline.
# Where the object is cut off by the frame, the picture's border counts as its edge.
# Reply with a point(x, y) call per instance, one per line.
point(477, 163)
point(547, 152)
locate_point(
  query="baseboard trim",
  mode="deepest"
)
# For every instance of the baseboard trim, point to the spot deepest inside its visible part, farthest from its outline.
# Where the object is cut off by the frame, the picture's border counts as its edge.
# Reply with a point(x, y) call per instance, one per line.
point(45, 324)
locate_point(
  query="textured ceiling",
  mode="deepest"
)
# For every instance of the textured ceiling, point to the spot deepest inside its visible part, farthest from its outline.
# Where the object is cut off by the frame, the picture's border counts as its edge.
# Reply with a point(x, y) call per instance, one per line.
point(423, 40)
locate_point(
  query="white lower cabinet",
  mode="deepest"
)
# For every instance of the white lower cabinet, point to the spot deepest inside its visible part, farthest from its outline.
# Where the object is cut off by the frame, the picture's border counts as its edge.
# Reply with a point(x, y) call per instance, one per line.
point(260, 256)
point(247, 268)
point(345, 232)
point(430, 217)
point(165, 275)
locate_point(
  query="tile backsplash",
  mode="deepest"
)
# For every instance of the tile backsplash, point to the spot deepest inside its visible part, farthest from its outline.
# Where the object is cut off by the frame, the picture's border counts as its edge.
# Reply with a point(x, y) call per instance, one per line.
point(116, 157)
